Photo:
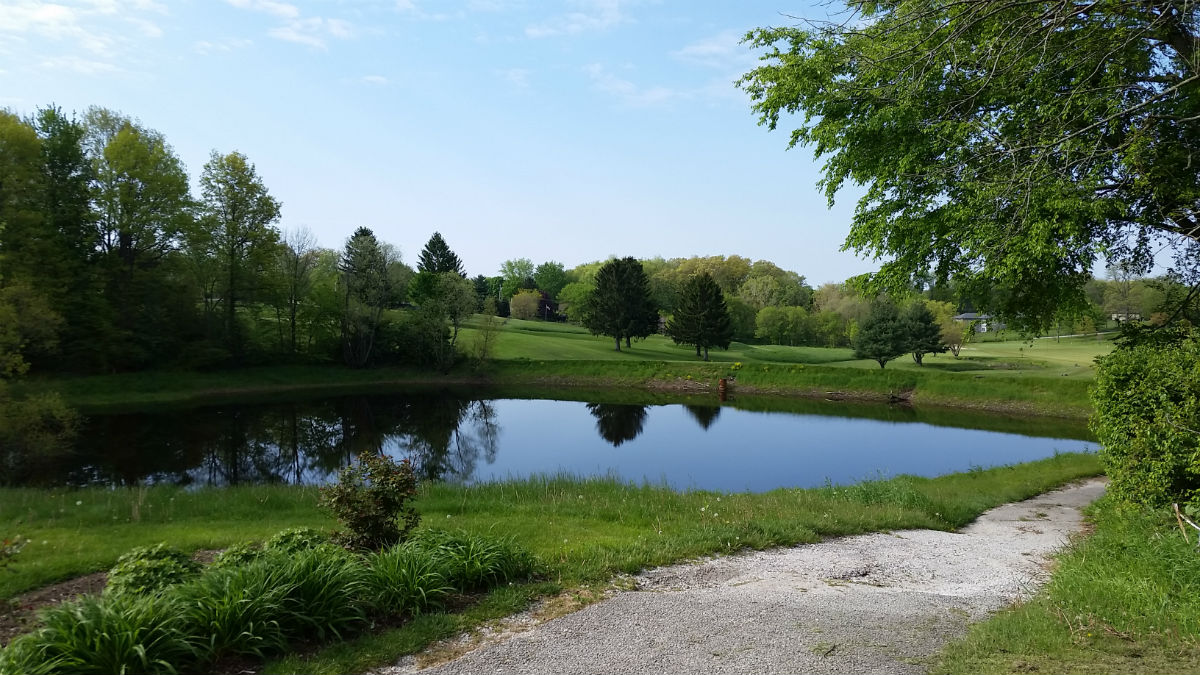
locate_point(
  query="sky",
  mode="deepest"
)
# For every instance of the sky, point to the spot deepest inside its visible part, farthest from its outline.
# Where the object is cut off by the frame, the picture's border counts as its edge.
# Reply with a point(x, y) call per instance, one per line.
point(564, 130)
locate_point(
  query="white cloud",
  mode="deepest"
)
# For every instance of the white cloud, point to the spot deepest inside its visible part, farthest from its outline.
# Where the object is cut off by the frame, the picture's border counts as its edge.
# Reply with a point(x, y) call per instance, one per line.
point(591, 15)
point(78, 65)
point(517, 77)
point(722, 51)
point(411, 9)
point(282, 10)
point(312, 31)
point(80, 23)
point(374, 79)
point(228, 45)
point(147, 27)
point(629, 93)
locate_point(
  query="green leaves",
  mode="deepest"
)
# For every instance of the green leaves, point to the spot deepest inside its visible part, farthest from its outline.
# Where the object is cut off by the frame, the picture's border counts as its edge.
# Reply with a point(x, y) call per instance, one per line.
point(1005, 144)
point(701, 316)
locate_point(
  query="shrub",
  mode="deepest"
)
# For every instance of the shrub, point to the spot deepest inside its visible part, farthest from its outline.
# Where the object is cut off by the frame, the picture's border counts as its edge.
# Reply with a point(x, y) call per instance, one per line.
point(237, 609)
point(373, 501)
point(9, 548)
point(471, 562)
point(150, 570)
point(104, 635)
point(324, 593)
point(238, 555)
point(406, 579)
point(295, 540)
point(1147, 413)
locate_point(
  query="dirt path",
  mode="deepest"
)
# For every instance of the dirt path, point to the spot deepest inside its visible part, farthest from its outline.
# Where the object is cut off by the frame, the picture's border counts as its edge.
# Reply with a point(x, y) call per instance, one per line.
point(881, 603)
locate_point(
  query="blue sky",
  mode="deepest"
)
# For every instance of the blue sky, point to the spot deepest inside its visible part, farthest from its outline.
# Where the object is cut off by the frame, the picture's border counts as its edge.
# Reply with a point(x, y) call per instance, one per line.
point(559, 130)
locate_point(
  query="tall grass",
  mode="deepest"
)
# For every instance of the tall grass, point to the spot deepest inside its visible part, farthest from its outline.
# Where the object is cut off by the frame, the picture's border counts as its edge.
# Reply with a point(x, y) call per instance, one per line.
point(1124, 599)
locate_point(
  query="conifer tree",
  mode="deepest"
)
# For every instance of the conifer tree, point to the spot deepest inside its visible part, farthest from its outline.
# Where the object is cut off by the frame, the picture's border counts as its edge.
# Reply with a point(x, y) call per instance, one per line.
point(922, 332)
point(701, 316)
point(620, 306)
point(881, 335)
point(437, 258)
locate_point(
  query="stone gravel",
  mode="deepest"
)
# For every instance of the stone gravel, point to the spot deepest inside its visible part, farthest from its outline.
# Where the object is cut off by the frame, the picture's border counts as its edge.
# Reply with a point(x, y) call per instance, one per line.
point(879, 603)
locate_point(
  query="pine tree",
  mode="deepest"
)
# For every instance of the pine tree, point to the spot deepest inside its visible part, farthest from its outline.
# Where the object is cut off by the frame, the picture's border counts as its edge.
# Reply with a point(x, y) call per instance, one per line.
point(701, 316)
point(921, 332)
point(620, 306)
point(437, 258)
point(881, 335)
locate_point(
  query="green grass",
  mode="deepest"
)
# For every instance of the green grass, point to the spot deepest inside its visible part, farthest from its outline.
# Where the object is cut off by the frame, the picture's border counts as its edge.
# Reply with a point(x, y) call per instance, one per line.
point(1124, 600)
point(589, 528)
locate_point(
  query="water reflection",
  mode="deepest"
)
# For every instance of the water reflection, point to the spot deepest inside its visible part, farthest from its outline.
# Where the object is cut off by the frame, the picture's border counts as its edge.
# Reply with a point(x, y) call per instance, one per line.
point(618, 422)
point(704, 415)
point(451, 437)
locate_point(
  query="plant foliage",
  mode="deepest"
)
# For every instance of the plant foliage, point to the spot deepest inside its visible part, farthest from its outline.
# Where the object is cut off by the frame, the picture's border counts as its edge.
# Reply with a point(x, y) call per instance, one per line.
point(373, 501)
point(148, 570)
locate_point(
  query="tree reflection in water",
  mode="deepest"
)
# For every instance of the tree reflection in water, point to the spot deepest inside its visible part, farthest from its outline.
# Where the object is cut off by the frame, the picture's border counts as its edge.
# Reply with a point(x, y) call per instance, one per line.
point(704, 415)
point(618, 422)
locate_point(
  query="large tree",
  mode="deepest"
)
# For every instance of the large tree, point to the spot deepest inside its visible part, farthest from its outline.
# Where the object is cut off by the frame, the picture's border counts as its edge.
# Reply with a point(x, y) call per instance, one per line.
point(437, 258)
point(620, 306)
point(240, 213)
point(365, 287)
point(922, 334)
point(701, 317)
point(1004, 144)
point(881, 337)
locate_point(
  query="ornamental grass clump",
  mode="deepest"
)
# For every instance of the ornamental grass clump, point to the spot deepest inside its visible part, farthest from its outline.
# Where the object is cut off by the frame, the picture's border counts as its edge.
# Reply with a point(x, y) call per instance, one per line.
point(295, 540)
point(407, 580)
point(105, 634)
point(149, 570)
point(373, 502)
point(471, 562)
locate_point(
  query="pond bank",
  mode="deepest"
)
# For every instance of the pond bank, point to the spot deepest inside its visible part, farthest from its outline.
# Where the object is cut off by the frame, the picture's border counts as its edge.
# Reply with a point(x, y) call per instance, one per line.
point(1016, 394)
point(870, 603)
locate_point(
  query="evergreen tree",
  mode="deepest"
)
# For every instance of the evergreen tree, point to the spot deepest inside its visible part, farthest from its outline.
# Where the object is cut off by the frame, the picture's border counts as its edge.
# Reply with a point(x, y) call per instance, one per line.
point(437, 258)
point(365, 289)
point(922, 333)
point(881, 335)
point(701, 316)
point(620, 306)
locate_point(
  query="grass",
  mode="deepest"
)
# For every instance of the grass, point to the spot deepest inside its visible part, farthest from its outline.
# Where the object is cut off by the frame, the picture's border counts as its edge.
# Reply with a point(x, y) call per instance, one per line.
point(1048, 377)
point(1124, 600)
point(584, 531)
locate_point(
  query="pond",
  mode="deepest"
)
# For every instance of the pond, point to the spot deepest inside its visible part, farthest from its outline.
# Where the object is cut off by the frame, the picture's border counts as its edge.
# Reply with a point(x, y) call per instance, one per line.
point(452, 437)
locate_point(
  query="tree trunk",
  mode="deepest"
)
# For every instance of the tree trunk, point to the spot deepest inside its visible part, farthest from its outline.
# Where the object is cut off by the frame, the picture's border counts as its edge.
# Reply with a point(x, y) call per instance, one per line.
point(627, 345)
point(617, 340)
point(918, 358)
point(706, 353)
point(697, 351)
point(882, 363)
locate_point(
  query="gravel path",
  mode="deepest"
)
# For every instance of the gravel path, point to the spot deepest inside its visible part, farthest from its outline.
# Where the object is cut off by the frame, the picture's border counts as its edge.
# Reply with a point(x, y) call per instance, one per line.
point(880, 603)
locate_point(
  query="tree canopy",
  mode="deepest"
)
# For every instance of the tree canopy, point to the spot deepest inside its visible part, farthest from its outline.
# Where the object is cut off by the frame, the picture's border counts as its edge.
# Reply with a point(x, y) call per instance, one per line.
point(881, 337)
point(701, 317)
point(437, 258)
point(620, 306)
point(1004, 144)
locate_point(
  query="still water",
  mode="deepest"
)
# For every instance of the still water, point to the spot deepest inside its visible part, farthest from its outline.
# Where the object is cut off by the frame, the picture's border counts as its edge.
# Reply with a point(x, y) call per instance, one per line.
point(454, 438)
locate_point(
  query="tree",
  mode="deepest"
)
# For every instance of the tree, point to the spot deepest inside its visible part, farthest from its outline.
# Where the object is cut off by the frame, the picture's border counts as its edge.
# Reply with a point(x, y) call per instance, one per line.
point(517, 274)
point(618, 422)
point(922, 334)
point(701, 317)
point(881, 336)
point(297, 258)
point(455, 296)
point(524, 305)
point(365, 288)
point(240, 212)
point(550, 277)
point(572, 299)
point(1004, 145)
point(437, 258)
point(620, 305)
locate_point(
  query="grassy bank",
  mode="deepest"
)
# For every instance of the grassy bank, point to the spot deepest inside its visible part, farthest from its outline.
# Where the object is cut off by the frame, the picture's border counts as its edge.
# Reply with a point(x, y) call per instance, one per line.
point(590, 529)
point(1124, 600)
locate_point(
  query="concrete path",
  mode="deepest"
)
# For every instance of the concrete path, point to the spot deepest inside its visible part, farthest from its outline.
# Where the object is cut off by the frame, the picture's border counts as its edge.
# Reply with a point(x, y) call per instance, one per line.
point(880, 603)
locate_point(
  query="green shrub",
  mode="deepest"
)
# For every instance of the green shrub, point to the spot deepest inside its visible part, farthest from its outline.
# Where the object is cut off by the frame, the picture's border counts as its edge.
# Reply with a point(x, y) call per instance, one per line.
point(373, 501)
point(1147, 402)
point(295, 540)
point(238, 555)
point(406, 579)
point(149, 570)
point(472, 562)
point(324, 593)
point(104, 635)
point(236, 610)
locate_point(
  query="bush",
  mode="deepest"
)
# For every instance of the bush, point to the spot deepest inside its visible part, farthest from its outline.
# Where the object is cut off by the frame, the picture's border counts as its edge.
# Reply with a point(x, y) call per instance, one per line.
point(238, 555)
point(325, 593)
point(236, 610)
point(471, 562)
point(295, 540)
point(104, 635)
point(406, 579)
point(373, 501)
point(150, 570)
point(1147, 417)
